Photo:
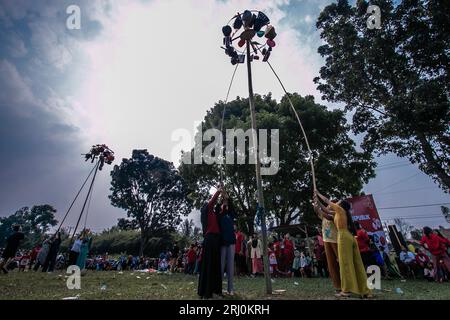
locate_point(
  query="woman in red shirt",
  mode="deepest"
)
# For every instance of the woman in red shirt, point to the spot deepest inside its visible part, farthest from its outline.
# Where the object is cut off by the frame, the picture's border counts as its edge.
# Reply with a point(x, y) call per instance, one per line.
point(437, 247)
point(363, 244)
point(288, 251)
point(210, 279)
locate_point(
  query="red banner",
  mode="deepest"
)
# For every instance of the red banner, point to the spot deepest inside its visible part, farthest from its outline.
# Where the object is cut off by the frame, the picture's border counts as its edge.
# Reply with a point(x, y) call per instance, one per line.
point(365, 212)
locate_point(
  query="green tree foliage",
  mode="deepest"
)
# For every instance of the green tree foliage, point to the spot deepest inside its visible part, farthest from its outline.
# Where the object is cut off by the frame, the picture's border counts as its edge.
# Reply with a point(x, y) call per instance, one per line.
point(341, 170)
point(129, 242)
point(35, 222)
point(152, 193)
point(395, 79)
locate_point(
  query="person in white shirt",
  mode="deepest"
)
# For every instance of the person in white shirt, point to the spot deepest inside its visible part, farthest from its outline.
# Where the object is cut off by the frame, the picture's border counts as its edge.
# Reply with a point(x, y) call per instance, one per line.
point(428, 272)
point(408, 259)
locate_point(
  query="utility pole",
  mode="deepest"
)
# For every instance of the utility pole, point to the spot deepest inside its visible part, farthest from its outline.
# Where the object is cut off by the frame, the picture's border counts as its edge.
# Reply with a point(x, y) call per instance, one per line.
point(258, 172)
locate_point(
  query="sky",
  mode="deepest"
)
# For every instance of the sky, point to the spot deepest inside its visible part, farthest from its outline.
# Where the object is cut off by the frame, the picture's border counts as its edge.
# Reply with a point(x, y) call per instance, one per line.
point(135, 75)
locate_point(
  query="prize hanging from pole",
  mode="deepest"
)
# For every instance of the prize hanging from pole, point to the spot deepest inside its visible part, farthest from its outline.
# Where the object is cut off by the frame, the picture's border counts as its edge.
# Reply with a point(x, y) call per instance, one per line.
point(99, 154)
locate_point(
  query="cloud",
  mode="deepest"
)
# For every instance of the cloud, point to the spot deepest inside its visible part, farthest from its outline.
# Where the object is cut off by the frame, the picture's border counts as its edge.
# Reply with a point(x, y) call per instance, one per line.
point(15, 91)
point(40, 139)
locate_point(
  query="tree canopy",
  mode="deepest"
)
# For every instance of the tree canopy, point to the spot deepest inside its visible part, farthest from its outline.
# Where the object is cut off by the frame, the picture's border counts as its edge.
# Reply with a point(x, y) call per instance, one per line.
point(341, 170)
point(395, 79)
point(35, 222)
point(152, 193)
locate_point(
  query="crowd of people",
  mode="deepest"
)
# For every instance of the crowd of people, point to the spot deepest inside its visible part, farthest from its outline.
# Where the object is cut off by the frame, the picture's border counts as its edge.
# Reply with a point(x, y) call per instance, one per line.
point(342, 251)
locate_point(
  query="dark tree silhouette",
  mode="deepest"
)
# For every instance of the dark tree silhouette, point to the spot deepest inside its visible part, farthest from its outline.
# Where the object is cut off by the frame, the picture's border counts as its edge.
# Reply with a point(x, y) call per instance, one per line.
point(341, 170)
point(396, 79)
point(152, 193)
point(35, 222)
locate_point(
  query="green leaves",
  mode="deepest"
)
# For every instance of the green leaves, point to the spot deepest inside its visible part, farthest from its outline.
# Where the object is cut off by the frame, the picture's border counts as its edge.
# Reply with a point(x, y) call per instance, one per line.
point(35, 223)
point(341, 170)
point(151, 191)
point(396, 79)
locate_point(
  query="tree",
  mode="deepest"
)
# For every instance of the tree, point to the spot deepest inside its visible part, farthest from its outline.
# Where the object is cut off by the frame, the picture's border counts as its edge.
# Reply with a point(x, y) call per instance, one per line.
point(396, 80)
point(446, 213)
point(152, 193)
point(125, 224)
point(34, 223)
point(187, 228)
point(341, 170)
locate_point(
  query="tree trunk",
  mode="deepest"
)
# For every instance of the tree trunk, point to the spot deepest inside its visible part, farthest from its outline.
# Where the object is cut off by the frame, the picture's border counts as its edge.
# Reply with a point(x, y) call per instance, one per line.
point(142, 245)
point(433, 165)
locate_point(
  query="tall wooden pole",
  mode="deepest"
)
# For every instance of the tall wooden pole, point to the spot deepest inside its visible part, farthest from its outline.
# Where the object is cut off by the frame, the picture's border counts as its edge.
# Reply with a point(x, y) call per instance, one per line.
point(87, 197)
point(258, 173)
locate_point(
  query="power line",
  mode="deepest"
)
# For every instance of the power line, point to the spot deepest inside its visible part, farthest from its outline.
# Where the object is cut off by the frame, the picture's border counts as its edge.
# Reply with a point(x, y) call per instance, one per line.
point(404, 190)
point(393, 167)
point(416, 206)
point(393, 163)
point(398, 182)
point(416, 216)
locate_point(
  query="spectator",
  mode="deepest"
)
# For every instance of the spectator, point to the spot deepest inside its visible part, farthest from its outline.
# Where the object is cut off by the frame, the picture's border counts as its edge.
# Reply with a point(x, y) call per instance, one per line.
point(33, 255)
point(296, 265)
point(287, 252)
point(363, 244)
point(256, 255)
point(428, 272)
point(319, 255)
point(191, 257)
point(422, 260)
point(437, 247)
point(239, 256)
point(273, 261)
point(24, 261)
point(408, 261)
point(50, 260)
point(12, 244)
point(377, 257)
point(443, 239)
point(305, 263)
point(42, 255)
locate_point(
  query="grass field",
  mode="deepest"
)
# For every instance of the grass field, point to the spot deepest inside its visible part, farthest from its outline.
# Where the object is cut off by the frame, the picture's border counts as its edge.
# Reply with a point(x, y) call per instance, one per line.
point(136, 285)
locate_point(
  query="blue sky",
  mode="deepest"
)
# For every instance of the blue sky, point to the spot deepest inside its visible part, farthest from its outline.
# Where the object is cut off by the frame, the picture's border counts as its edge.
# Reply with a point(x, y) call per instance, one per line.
point(133, 74)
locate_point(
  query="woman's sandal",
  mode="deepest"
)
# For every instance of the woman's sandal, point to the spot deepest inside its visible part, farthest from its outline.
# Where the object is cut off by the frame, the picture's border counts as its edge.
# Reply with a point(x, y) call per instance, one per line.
point(342, 295)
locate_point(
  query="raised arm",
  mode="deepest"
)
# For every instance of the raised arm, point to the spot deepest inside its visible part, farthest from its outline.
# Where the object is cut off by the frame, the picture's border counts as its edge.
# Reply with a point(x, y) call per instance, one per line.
point(323, 212)
point(323, 198)
point(213, 200)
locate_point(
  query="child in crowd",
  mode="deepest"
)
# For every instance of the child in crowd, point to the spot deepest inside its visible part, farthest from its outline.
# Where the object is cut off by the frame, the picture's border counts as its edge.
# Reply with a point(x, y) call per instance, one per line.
point(428, 272)
point(296, 264)
point(304, 265)
point(273, 261)
point(24, 261)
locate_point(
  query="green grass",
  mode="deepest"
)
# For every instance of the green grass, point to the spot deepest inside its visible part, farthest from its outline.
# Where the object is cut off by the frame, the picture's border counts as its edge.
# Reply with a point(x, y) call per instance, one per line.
point(31, 285)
